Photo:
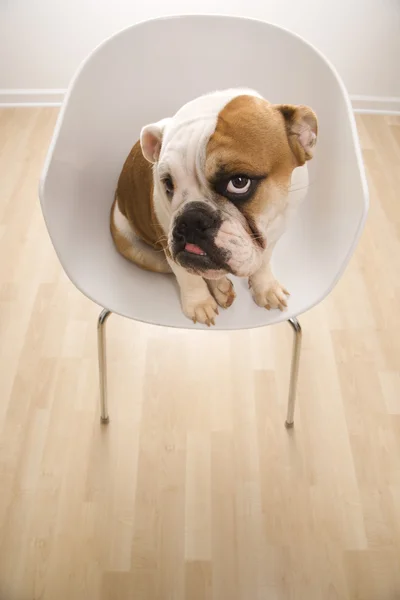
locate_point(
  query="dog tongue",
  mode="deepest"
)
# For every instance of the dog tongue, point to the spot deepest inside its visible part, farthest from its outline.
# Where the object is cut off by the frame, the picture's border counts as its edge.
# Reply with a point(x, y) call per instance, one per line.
point(194, 249)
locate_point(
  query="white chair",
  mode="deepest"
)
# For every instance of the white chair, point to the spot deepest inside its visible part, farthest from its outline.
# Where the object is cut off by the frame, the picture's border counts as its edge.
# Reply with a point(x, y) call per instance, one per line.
point(145, 73)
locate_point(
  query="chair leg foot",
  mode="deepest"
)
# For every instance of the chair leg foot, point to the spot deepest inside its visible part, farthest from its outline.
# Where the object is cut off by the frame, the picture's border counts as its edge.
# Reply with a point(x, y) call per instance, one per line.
point(294, 372)
point(101, 344)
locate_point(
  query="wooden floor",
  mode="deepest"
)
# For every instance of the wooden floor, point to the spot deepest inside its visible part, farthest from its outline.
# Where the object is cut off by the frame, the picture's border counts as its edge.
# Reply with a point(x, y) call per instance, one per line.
point(195, 490)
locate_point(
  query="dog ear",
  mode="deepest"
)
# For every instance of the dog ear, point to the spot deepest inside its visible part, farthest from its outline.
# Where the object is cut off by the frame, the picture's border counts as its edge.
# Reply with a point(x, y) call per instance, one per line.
point(301, 128)
point(151, 140)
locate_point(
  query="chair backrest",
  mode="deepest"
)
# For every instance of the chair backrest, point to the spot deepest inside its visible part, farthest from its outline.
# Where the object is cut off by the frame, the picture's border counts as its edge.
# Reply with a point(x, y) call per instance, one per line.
point(145, 73)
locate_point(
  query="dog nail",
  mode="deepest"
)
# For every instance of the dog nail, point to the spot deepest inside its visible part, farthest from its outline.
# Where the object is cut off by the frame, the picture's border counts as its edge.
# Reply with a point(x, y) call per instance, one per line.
point(212, 321)
point(217, 311)
point(194, 320)
point(268, 307)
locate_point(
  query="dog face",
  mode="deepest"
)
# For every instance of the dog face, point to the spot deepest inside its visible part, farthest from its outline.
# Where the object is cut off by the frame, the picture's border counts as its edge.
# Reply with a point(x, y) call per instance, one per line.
point(222, 171)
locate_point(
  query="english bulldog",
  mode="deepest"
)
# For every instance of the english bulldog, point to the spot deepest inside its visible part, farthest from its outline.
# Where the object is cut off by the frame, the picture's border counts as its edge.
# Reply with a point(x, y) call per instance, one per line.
point(208, 193)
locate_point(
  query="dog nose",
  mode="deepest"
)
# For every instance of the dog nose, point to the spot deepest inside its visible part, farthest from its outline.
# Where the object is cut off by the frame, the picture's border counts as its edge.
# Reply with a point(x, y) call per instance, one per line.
point(193, 220)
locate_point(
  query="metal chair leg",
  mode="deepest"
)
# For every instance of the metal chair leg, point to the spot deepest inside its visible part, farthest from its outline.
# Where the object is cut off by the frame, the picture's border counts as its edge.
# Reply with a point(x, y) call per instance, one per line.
point(294, 371)
point(101, 343)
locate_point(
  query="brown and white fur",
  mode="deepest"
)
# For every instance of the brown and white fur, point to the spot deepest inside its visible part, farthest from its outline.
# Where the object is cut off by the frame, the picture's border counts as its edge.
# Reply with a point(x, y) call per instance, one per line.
point(228, 170)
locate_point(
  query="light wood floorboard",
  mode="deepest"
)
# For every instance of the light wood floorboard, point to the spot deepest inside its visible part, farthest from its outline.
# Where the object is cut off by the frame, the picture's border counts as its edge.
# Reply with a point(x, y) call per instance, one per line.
point(196, 491)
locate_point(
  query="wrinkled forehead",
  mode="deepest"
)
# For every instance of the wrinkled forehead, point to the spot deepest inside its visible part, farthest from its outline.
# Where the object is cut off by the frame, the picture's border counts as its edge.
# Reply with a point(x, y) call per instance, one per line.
point(235, 131)
point(188, 133)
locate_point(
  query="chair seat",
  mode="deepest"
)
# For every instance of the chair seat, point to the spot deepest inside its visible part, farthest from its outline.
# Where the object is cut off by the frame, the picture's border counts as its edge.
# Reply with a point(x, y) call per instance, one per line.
point(113, 282)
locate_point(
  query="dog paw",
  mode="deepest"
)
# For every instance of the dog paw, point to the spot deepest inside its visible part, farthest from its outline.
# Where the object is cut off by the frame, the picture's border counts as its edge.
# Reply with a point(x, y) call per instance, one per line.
point(201, 311)
point(269, 295)
point(222, 290)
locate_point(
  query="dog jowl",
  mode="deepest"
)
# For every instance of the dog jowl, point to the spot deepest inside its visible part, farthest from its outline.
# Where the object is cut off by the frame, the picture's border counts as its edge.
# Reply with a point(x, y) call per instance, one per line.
point(206, 193)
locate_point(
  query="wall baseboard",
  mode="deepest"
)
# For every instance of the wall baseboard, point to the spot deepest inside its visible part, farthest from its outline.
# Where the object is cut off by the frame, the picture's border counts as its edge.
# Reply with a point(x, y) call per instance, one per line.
point(54, 97)
point(21, 97)
point(384, 105)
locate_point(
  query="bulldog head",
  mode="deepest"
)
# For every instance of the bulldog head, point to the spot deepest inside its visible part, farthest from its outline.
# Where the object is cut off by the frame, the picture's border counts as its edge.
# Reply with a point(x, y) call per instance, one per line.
point(222, 171)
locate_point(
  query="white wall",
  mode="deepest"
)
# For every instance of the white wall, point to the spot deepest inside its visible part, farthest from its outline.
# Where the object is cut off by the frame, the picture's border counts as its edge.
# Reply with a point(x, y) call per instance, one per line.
point(42, 42)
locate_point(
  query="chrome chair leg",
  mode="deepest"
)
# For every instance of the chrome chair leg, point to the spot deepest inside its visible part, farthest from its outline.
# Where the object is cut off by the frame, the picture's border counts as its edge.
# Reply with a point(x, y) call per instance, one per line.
point(101, 341)
point(294, 371)
point(101, 344)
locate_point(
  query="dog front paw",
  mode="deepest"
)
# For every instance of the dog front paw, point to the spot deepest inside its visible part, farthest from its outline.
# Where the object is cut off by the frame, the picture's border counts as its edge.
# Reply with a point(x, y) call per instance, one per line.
point(201, 310)
point(222, 290)
point(269, 294)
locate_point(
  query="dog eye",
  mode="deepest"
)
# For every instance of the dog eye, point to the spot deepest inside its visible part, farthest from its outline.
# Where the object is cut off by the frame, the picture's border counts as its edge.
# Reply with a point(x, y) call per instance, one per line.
point(238, 188)
point(168, 185)
point(238, 185)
